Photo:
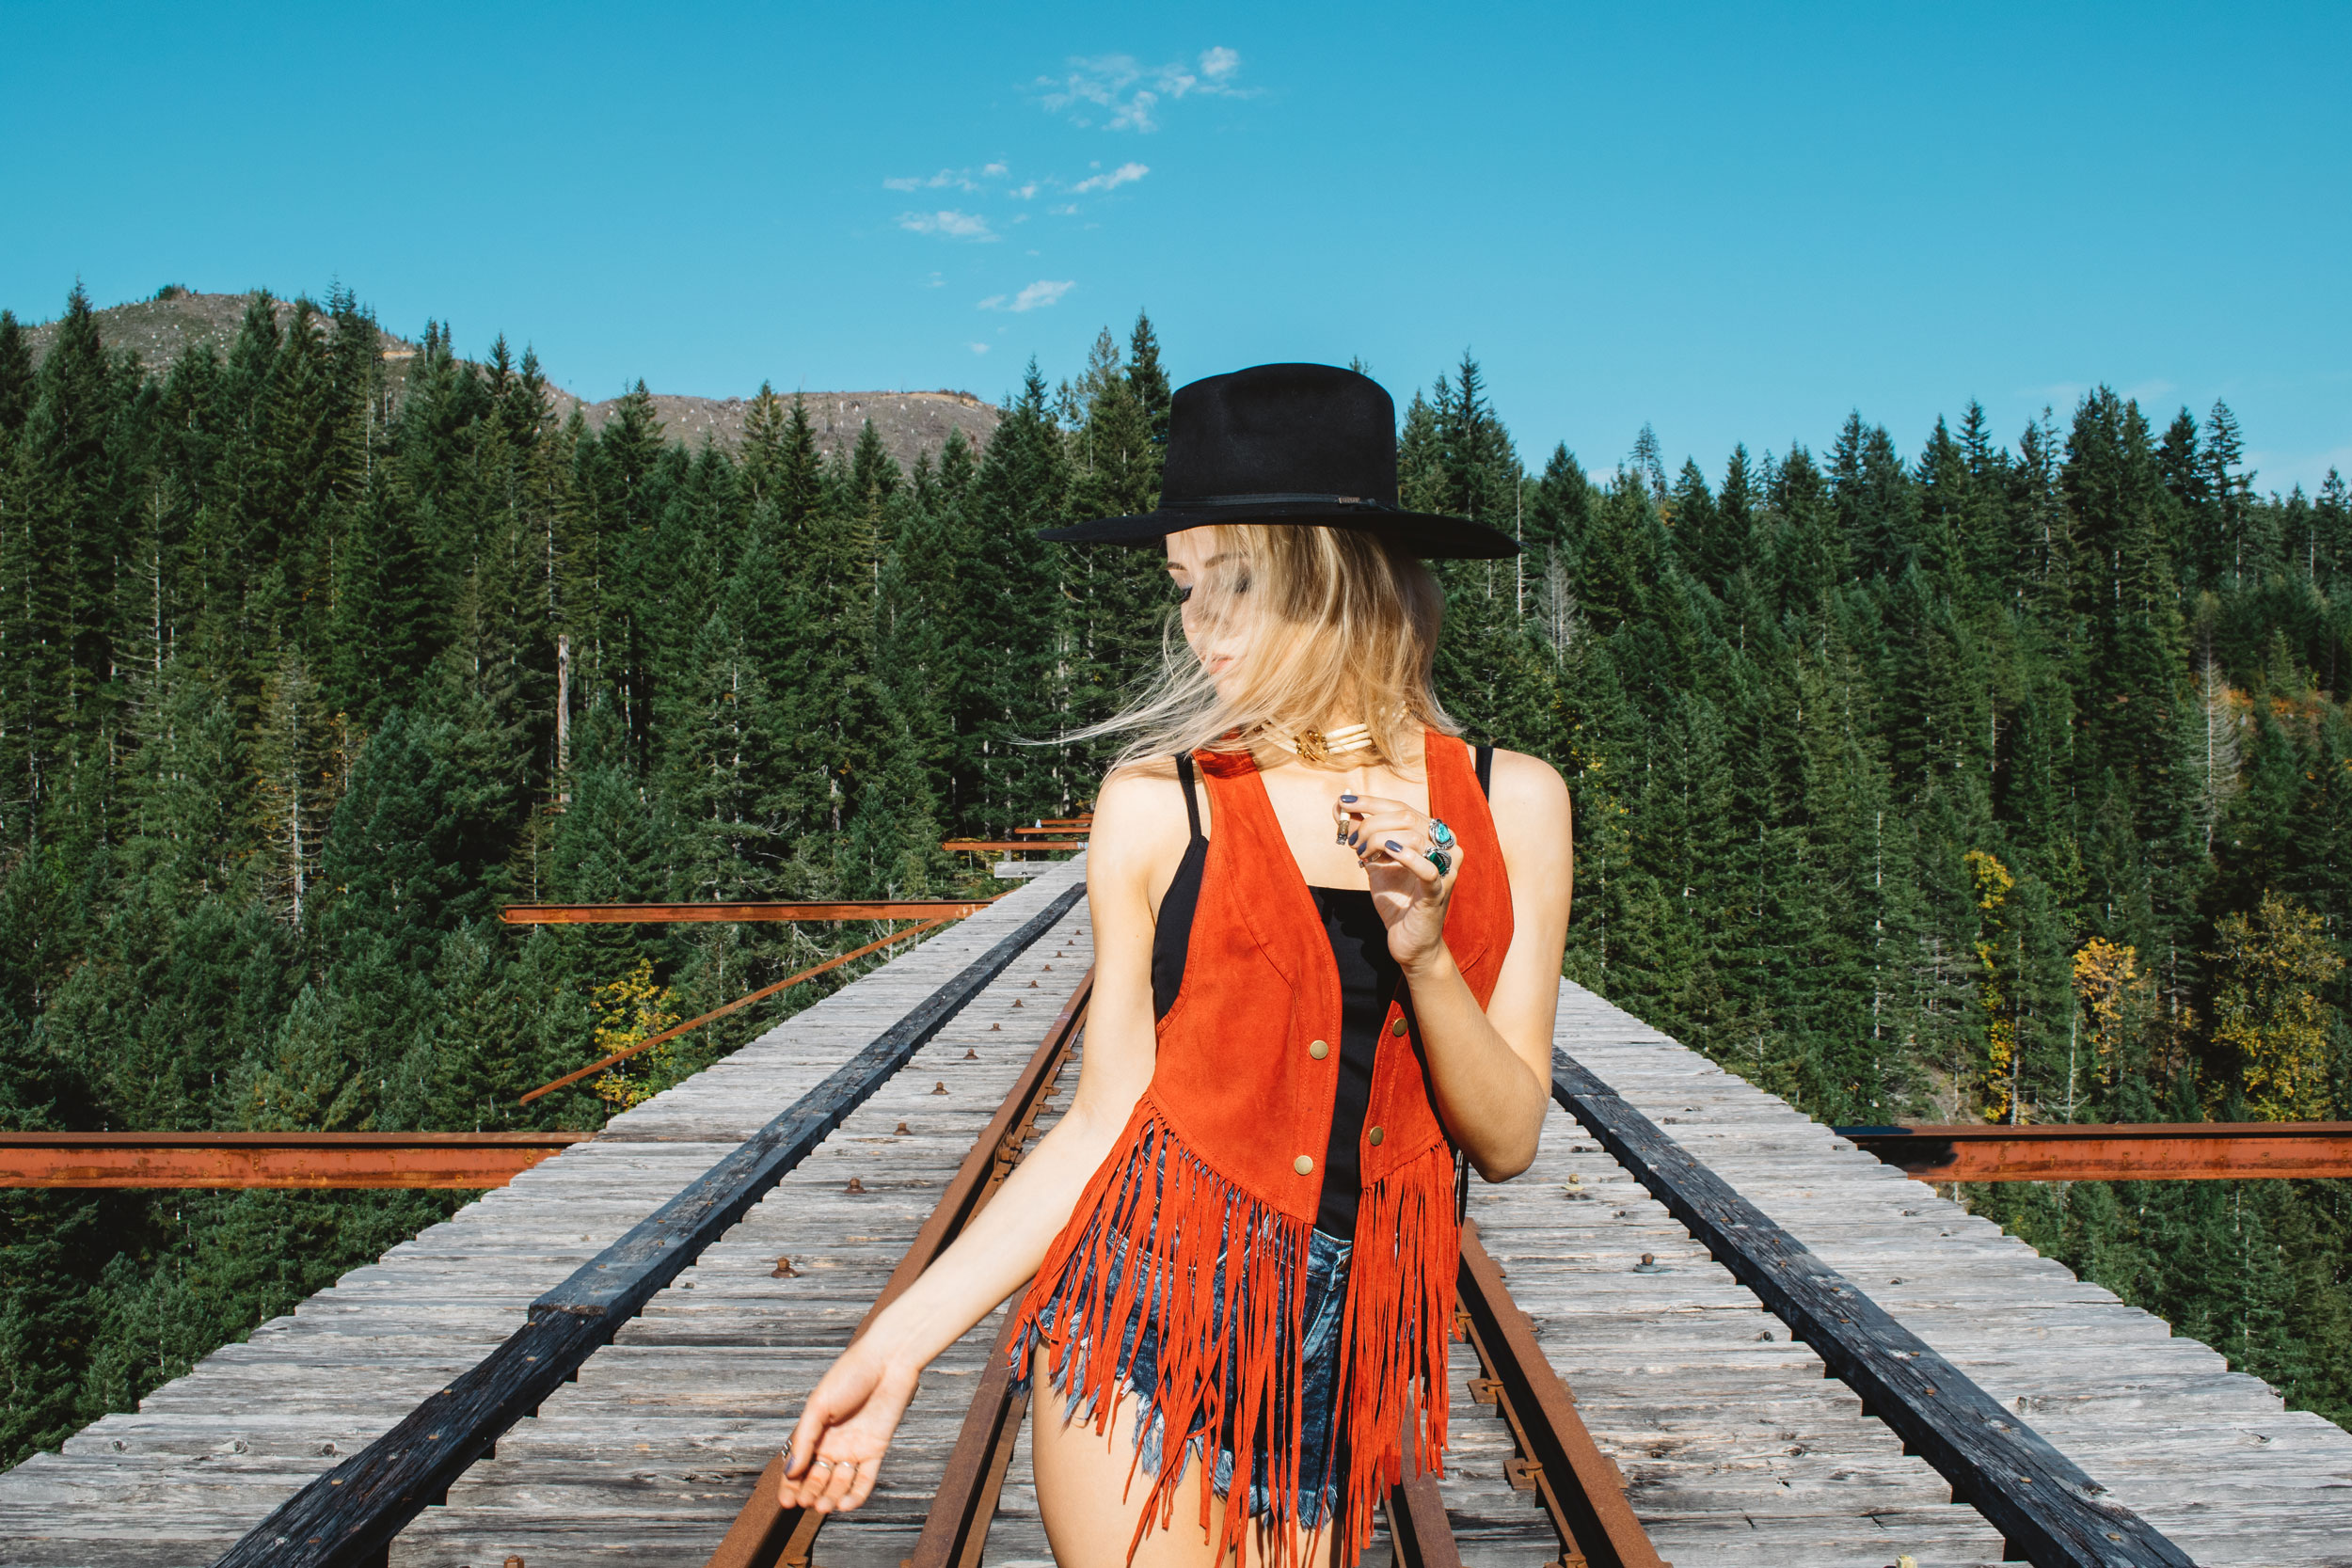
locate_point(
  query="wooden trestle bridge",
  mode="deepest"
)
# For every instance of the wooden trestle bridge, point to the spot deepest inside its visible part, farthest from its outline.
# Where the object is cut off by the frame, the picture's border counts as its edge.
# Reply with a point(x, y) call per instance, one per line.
point(1703, 1329)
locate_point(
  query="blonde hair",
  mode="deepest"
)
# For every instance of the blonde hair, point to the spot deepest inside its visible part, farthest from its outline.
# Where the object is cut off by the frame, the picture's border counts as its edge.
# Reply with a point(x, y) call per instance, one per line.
point(1340, 627)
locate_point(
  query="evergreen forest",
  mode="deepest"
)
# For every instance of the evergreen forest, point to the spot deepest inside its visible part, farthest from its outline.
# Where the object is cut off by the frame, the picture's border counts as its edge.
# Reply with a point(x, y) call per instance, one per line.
point(2007, 779)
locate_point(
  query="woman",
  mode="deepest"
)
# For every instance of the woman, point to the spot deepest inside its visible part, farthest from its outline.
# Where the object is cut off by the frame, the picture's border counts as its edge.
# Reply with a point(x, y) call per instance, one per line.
point(1325, 969)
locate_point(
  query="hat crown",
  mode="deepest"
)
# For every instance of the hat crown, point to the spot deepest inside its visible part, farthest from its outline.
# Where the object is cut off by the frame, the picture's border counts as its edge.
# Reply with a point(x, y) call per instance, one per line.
point(1281, 430)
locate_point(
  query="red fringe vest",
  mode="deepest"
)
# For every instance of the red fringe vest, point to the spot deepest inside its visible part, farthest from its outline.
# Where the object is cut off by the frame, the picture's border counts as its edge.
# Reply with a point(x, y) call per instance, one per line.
point(1239, 1112)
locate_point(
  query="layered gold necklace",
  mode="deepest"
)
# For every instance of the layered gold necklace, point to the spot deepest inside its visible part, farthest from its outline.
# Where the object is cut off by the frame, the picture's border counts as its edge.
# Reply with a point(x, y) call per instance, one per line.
point(1319, 748)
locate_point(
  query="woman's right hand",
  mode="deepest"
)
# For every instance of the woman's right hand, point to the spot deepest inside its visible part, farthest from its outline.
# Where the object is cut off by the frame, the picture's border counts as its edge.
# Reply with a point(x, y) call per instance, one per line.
point(837, 1447)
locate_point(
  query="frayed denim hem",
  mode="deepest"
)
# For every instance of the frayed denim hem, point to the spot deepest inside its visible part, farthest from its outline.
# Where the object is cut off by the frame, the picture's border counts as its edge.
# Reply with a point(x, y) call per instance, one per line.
point(1322, 1468)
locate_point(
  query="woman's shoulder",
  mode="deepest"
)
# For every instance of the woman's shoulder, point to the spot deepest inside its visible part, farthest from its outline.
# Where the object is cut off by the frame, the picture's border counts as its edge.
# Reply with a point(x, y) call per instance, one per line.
point(1528, 793)
point(1144, 787)
point(1139, 814)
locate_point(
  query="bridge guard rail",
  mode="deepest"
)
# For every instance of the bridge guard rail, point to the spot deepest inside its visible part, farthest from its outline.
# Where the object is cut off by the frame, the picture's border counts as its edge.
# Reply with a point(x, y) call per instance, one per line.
point(348, 1517)
point(2049, 1511)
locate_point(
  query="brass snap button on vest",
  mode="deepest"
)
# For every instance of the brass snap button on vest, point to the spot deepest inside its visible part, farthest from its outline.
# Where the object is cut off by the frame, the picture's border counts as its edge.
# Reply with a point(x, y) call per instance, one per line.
point(1376, 1135)
point(1302, 1164)
point(1397, 1027)
point(1319, 1049)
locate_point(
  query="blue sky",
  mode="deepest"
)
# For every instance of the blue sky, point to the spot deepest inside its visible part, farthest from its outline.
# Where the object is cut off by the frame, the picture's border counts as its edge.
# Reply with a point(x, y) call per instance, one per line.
point(1735, 223)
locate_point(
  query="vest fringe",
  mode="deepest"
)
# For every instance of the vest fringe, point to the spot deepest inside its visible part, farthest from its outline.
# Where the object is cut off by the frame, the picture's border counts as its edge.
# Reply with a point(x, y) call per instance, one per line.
point(1229, 1360)
point(1398, 1323)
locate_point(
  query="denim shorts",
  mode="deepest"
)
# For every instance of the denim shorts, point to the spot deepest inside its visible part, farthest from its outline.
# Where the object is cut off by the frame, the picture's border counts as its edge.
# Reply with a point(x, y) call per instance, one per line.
point(1322, 1464)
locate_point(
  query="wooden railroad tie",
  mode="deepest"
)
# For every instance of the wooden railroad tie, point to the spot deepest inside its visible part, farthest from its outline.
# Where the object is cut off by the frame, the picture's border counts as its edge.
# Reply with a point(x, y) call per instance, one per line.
point(765, 1533)
point(2048, 1509)
point(352, 1514)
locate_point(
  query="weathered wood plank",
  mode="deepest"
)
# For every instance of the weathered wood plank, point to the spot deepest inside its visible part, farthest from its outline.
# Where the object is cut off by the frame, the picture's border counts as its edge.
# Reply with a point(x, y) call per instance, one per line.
point(710, 1376)
point(351, 1514)
point(356, 1360)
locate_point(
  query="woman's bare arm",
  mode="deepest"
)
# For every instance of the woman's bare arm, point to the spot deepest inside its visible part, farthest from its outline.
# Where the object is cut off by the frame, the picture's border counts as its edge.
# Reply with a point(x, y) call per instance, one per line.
point(1490, 1066)
point(1138, 836)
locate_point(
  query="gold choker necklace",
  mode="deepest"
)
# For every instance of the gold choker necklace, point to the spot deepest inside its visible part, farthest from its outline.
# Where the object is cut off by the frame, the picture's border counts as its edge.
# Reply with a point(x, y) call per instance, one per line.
point(1316, 746)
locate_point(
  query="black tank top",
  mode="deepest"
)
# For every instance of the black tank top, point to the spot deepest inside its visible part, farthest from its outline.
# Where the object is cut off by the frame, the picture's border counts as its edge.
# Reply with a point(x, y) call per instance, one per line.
point(1369, 977)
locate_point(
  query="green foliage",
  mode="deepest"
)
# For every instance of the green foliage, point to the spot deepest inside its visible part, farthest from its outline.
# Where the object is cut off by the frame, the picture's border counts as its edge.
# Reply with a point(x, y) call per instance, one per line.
point(305, 669)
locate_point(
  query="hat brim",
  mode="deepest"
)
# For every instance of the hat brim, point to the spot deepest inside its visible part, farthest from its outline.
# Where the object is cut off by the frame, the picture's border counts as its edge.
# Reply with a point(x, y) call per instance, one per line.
point(1422, 534)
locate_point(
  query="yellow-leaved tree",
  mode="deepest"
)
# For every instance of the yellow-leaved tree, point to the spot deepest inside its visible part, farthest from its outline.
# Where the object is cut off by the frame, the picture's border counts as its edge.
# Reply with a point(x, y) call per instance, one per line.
point(1992, 882)
point(630, 1011)
point(2268, 1016)
point(2109, 984)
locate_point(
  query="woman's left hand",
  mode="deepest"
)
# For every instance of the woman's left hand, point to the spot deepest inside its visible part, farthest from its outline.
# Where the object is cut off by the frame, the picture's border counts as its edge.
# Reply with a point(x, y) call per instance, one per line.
point(1392, 842)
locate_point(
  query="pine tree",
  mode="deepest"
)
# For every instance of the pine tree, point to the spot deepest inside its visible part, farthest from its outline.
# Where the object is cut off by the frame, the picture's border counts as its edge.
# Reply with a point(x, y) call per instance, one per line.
point(1011, 697)
point(16, 377)
point(1120, 595)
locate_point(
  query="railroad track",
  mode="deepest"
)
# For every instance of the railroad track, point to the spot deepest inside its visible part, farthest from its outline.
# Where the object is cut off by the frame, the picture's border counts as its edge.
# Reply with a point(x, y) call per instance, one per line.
point(671, 1362)
point(1582, 1491)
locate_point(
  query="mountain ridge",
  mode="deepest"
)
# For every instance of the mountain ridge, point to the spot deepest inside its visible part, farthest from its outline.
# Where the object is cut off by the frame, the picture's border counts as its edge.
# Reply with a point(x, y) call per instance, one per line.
point(161, 328)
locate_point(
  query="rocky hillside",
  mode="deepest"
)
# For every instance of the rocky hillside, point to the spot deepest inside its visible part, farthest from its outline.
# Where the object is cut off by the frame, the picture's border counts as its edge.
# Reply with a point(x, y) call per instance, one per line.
point(159, 330)
point(908, 422)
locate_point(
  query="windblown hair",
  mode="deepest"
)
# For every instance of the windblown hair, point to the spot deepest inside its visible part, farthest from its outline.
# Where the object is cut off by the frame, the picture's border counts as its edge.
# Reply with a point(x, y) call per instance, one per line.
point(1339, 627)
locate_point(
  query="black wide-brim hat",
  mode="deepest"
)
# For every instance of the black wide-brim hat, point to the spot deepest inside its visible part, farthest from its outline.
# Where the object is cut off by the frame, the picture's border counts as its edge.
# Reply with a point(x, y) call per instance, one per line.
point(1308, 444)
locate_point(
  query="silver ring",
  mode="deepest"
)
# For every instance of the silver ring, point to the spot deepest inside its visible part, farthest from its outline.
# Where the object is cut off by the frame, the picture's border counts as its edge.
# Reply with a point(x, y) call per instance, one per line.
point(1439, 834)
point(814, 1463)
point(1443, 862)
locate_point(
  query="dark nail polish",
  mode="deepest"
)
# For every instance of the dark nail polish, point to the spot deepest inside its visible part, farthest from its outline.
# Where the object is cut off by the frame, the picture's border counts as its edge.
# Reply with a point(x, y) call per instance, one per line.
point(1394, 848)
point(1347, 797)
point(1351, 838)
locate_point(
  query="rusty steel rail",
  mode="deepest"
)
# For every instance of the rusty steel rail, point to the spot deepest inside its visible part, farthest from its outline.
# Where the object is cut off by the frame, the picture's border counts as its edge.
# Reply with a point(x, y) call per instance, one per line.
point(1001, 846)
point(673, 914)
point(1044, 830)
point(1420, 1533)
point(2049, 1511)
point(736, 1005)
point(296, 1160)
point(1578, 1485)
point(1582, 1489)
point(2116, 1151)
point(765, 1533)
point(348, 1517)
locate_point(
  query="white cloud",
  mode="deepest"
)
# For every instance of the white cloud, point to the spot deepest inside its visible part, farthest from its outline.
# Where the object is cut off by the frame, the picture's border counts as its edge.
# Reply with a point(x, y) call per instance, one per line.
point(977, 348)
point(935, 281)
point(946, 178)
point(1063, 211)
point(1035, 296)
point(1127, 94)
point(1125, 174)
point(952, 224)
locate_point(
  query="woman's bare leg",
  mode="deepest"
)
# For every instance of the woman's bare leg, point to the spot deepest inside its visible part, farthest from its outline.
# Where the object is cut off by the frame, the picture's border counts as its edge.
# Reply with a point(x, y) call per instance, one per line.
point(1089, 1510)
